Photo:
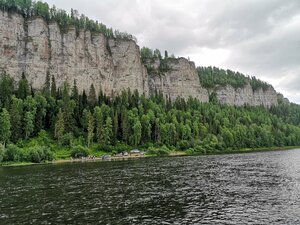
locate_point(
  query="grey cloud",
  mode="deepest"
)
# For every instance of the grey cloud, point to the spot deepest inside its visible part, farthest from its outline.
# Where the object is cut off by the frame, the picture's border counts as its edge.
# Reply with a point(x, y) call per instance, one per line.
point(261, 36)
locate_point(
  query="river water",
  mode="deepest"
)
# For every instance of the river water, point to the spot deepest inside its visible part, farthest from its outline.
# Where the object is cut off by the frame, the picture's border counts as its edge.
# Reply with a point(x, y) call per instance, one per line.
point(256, 188)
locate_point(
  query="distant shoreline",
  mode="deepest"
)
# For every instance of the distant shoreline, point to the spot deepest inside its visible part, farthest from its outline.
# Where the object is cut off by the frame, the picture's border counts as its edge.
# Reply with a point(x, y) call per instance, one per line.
point(172, 154)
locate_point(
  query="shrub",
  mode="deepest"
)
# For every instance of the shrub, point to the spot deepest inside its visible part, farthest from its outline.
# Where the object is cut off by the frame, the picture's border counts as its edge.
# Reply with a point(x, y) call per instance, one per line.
point(34, 154)
point(162, 152)
point(79, 151)
point(184, 144)
point(12, 153)
point(190, 151)
point(158, 152)
point(38, 154)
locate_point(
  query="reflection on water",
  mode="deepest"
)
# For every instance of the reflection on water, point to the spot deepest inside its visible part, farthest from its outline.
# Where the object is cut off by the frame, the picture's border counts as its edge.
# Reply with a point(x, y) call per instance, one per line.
point(258, 188)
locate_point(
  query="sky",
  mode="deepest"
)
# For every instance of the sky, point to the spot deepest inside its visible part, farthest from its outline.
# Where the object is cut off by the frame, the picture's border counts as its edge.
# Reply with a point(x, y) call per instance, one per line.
point(255, 37)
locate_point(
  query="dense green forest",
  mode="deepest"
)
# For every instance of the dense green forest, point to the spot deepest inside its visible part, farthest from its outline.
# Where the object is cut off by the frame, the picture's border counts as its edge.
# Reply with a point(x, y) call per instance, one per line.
point(211, 77)
point(29, 8)
point(57, 123)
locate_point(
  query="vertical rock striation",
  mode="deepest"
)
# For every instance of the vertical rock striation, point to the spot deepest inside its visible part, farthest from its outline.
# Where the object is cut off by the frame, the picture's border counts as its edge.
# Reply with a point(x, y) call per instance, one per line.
point(36, 48)
point(181, 79)
point(246, 96)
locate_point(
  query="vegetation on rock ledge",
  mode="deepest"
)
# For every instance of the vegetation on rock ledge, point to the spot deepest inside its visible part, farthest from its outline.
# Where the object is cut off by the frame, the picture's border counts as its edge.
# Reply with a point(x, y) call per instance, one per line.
point(210, 77)
point(29, 8)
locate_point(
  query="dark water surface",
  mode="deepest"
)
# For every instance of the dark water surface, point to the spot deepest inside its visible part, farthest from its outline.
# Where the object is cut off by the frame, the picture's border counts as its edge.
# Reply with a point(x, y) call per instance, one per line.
point(257, 188)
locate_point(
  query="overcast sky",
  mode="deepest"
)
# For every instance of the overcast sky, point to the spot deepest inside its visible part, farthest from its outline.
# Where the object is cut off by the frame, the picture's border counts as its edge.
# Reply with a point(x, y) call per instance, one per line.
point(256, 37)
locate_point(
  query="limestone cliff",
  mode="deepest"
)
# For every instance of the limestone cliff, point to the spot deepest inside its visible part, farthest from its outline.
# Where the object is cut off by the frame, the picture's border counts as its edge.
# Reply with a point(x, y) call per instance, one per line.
point(36, 48)
point(180, 79)
point(246, 96)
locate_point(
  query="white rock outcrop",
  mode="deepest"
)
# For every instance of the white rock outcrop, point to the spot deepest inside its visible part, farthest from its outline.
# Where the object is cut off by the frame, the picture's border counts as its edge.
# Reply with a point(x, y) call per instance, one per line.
point(36, 48)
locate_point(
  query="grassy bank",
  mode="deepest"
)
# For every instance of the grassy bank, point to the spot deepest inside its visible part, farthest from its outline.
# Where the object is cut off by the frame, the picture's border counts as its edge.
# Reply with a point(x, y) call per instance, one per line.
point(63, 156)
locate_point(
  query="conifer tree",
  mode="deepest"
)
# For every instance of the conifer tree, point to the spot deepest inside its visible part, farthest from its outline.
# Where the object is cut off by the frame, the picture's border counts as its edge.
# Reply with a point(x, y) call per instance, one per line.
point(60, 125)
point(23, 88)
point(92, 99)
point(53, 87)
point(47, 86)
point(90, 135)
point(5, 126)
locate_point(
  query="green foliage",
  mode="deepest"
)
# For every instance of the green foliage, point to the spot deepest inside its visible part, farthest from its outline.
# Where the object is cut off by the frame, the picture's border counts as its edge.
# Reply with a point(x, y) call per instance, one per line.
point(210, 77)
point(37, 154)
point(5, 126)
point(1, 153)
point(150, 57)
point(79, 151)
point(13, 153)
point(162, 151)
point(129, 120)
point(23, 88)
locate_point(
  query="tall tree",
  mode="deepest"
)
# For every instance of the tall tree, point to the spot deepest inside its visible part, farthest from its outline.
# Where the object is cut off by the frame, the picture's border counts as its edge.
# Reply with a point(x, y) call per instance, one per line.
point(90, 135)
point(60, 126)
point(16, 114)
point(92, 96)
point(5, 126)
point(47, 86)
point(107, 132)
point(29, 124)
point(53, 87)
point(23, 87)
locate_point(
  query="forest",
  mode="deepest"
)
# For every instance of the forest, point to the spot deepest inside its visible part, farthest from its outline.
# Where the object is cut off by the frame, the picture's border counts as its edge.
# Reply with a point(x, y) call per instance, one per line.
point(59, 122)
point(56, 123)
point(211, 77)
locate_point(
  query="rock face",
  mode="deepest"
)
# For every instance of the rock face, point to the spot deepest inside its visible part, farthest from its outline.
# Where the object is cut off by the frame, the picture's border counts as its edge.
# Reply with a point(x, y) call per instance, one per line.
point(246, 96)
point(181, 79)
point(37, 48)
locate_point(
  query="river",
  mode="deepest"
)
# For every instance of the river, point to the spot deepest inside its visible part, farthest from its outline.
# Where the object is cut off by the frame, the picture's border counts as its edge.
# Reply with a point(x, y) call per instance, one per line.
point(255, 188)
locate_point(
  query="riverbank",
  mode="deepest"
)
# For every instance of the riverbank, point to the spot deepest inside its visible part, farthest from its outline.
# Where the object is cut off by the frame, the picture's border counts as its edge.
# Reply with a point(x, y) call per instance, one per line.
point(132, 157)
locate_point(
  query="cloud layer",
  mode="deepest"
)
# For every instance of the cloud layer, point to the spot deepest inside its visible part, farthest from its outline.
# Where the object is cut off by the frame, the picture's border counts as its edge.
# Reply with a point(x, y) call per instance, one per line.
point(255, 37)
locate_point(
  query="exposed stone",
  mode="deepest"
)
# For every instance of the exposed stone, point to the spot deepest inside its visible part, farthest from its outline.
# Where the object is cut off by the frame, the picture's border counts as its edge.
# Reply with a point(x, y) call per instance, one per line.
point(37, 48)
point(246, 96)
point(12, 44)
point(180, 80)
